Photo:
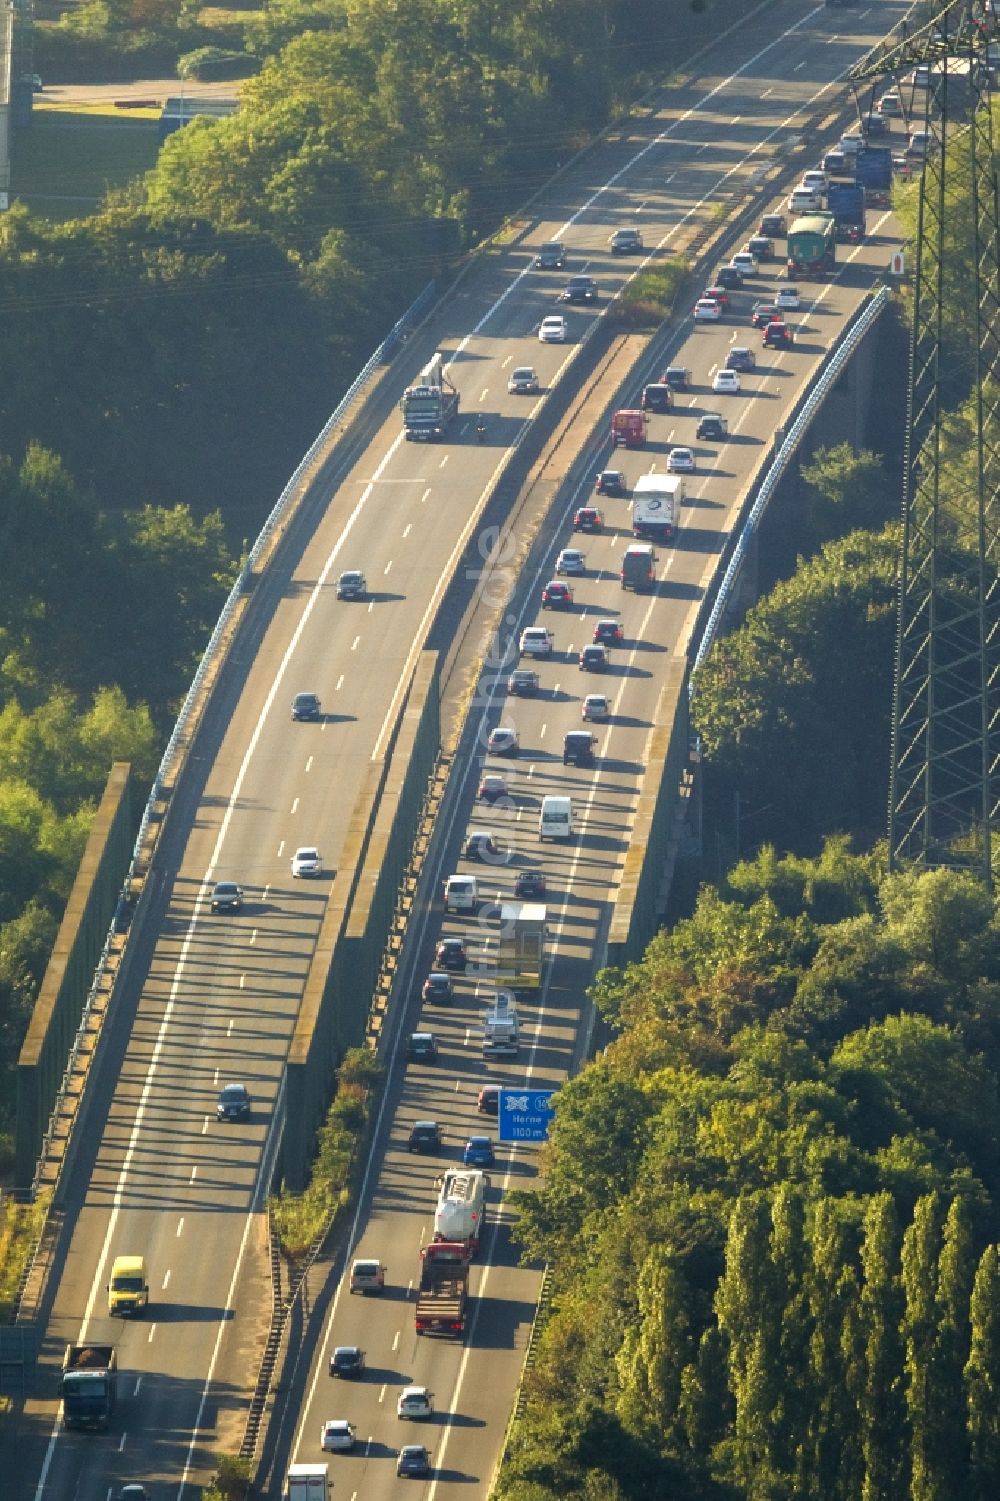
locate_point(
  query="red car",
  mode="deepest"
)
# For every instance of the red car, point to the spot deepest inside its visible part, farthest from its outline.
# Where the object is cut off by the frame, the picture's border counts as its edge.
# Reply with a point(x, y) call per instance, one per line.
point(608, 632)
point(778, 336)
point(717, 294)
point(556, 595)
point(588, 519)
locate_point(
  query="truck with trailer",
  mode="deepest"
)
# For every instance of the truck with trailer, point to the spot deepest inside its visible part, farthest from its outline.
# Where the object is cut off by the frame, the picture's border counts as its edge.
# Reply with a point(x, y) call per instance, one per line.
point(655, 502)
point(431, 405)
point(873, 172)
point(444, 1288)
point(521, 945)
point(461, 1208)
point(308, 1483)
point(812, 246)
point(628, 428)
point(501, 1035)
point(846, 202)
point(89, 1386)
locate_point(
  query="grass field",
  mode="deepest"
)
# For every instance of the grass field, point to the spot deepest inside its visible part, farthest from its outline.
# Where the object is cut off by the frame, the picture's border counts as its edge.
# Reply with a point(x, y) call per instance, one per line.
point(64, 163)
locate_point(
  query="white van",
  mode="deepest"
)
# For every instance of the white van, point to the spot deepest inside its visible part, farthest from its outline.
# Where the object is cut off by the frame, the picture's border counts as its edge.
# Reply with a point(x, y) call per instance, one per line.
point(804, 201)
point(556, 818)
point(461, 894)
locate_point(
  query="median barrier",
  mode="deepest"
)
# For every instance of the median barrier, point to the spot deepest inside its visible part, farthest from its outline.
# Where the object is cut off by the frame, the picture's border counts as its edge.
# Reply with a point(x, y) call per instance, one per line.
point(656, 828)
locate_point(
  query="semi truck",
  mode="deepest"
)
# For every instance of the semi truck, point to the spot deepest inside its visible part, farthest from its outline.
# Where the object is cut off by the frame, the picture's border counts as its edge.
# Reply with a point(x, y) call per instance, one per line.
point(308, 1483)
point(431, 405)
point(628, 429)
point(444, 1288)
point(521, 945)
point(501, 1035)
point(89, 1386)
point(812, 246)
point(655, 500)
point(873, 172)
point(846, 202)
point(461, 1208)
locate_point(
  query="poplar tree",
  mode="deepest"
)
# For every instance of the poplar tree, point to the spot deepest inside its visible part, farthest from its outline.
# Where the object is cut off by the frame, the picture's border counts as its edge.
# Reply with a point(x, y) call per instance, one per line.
point(919, 1264)
point(982, 1379)
point(744, 1305)
point(653, 1354)
point(832, 1457)
point(881, 1406)
point(956, 1273)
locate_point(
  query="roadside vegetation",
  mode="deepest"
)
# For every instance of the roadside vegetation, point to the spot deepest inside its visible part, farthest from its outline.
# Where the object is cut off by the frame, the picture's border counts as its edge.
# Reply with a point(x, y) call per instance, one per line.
point(301, 1220)
point(649, 298)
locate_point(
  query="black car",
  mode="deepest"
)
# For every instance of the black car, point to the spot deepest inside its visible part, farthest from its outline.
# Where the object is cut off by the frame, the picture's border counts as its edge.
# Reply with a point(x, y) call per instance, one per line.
point(488, 1100)
point(422, 1045)
point(437, 988)
point(762, 246)
point(711, 425)
point(778, 336)
point(523, 682)
point(677, 377)
point(835, 164)
point(529, 885)
point(610, 482)
point(741, 358)
point(425, 1136)
point(580, 289)
point(347, 1361)
point(234, 1102)
point(773, 225)
point(730, 277)
point(594, 658)
point(609, 632)
point(413, 1460)
point(227, 897)
point(551, 257)
point(305, 706)
point(451, 954)
point(656, 398)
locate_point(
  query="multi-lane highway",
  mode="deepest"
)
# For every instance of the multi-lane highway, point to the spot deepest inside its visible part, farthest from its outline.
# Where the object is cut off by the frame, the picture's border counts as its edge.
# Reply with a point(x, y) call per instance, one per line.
point(218, 1001)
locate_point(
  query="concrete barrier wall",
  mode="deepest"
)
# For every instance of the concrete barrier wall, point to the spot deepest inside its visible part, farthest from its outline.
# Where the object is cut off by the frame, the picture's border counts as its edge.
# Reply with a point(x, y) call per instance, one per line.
point(634, 919)
point(81, 940)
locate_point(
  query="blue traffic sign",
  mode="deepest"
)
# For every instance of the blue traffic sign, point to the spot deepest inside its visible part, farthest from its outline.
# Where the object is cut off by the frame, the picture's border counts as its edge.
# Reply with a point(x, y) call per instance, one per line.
point(525, 1114)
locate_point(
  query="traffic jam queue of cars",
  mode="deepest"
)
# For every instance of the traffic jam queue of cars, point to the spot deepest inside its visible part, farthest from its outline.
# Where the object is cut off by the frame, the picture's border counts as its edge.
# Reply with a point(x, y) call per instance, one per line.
point(490, 953)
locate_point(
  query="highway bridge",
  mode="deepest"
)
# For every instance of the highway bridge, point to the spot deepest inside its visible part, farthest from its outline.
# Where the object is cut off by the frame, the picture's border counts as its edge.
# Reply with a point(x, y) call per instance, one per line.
point(215, 998)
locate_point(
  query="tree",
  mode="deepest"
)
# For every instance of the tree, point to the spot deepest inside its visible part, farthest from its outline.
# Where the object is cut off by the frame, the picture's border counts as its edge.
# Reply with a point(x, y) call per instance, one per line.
point(654, 1353)
point(982, 1377)
point(745, 1305)
point(880, 1395)
point(921, 1250)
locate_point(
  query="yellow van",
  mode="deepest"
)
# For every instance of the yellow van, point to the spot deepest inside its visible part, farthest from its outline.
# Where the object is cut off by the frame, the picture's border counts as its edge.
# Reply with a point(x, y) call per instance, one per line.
point(128, 1290)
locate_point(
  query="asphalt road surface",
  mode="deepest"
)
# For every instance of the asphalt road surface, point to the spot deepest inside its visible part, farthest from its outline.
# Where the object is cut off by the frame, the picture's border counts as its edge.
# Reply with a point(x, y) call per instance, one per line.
point(218, 997)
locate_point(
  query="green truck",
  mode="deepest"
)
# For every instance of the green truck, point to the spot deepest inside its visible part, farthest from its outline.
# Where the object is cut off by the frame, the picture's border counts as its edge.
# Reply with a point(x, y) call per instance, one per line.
point(812, 246)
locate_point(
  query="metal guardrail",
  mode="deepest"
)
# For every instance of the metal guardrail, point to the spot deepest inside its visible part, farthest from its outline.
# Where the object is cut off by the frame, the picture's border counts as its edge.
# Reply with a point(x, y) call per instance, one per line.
point(827, 378)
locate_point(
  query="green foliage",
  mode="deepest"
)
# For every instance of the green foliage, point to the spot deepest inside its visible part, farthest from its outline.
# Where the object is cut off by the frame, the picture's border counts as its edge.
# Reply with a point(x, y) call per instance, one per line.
point(816, 652)
point(649, 298)
point(786, 1291)
point(301, 1220)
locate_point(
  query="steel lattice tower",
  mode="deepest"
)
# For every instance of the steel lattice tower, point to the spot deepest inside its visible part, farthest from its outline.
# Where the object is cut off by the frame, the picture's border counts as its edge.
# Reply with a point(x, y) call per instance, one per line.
point(944, 797)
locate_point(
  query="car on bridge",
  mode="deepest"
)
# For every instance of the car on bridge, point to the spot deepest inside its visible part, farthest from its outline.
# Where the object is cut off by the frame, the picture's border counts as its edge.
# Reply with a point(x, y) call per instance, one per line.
point(551, 256)
point(529, 885)
point(580, 289)
point(609, 632)
point(556, 595)
point(588, 519)
point(437, 989)
point(536, 641)
point(347, 1361)
point(727, 382)
point(227, 897)
point(677, 377)
point(425, 1136)
point(552, 330)
point(307, 861)
point(306, 706)
point(610, 482)
point(787, 297)
point(626, 242)
point(504, 741)
point(492, 787)
point(452, 954)
point(352, 584)
point(680, 460)
point(337, 1435)
point(656, 397)
point(234, 1103)
point(778, 336)
point(595, 707)
point(414, 1461)
point(572, 562)
point(415, 1402)
point(740, 358)
point(523, 682)
point(523, 381)
point(707, 311)
point(712, 425)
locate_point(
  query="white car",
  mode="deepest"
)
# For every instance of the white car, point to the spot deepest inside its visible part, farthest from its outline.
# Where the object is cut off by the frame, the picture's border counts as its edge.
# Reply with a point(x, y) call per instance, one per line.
point(889, 104)
point(815, 181)
point(307, 861)
point(536, 641)
point(595, 706)
point(552, 330)
point(680, 461)
point(415, 1402)
point(707, 311)
point(916, 146)
point(851, 143)
point(727, 381)
point(787, 297)
point(504, 741)
point(337, 1434)
point(745, 262)
point(571, 561)
point(523, 381)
